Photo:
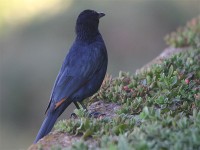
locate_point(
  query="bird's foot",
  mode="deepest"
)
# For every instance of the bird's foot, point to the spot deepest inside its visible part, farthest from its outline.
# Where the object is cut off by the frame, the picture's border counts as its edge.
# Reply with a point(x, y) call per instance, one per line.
point(97, 115)
point(73, 116)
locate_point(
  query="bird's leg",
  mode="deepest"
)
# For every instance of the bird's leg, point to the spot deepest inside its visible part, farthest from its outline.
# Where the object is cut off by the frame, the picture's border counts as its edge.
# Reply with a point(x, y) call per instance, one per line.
point(76, 104)
point(73, 115)
point(83, 106)
point(93, 114)
point(78, 107)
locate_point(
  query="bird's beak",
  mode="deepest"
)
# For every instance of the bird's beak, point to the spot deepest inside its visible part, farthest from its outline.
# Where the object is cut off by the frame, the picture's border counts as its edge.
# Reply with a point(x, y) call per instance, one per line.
point(101, 14)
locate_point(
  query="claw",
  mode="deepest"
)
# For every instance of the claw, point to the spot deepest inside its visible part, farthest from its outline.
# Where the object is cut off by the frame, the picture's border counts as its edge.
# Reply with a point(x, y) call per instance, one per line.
point(73, 116)
point(97, 115)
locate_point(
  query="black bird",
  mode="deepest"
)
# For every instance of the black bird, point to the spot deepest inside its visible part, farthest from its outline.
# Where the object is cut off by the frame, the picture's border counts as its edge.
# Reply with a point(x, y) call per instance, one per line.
point(82, 71)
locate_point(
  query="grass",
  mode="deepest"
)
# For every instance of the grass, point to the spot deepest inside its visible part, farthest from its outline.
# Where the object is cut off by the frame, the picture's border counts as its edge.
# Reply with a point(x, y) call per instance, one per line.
point(160, 108)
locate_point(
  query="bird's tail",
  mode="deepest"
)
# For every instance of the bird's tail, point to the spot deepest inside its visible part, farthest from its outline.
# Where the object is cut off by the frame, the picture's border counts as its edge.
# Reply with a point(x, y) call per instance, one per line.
point(49, 122)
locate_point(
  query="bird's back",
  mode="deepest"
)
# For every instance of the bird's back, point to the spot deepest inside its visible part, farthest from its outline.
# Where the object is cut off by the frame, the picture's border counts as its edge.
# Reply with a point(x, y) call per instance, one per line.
point(84, 60)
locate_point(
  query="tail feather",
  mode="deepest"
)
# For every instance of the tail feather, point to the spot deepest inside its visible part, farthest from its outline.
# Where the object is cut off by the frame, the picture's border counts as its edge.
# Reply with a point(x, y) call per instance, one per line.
point(49, 121)
point(46, 127)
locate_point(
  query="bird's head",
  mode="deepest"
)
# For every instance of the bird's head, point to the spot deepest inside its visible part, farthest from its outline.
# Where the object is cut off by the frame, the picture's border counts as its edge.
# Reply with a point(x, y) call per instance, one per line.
point(88, 21)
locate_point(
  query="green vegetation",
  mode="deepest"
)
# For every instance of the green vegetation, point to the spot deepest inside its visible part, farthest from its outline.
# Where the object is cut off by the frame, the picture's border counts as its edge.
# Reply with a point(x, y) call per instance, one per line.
point(160, 108)
point(185, 36)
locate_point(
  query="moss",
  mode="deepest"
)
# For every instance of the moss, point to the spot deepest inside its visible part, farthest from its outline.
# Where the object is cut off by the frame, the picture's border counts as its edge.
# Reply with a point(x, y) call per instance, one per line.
point(160, 108)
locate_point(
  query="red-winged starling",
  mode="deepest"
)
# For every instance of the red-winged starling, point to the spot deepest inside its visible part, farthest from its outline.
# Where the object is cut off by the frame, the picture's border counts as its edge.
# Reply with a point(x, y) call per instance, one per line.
point(82, 71)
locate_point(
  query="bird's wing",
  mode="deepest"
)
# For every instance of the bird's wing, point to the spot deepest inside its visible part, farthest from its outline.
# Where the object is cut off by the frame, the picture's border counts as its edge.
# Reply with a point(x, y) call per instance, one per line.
point(78, 68)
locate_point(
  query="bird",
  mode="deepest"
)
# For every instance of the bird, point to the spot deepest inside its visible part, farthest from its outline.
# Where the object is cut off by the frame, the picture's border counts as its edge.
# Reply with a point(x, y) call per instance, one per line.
point(82, 71)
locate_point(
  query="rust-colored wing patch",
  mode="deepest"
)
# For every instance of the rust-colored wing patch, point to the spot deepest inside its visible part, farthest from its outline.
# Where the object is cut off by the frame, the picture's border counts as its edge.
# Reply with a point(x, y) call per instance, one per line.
point(59, 103)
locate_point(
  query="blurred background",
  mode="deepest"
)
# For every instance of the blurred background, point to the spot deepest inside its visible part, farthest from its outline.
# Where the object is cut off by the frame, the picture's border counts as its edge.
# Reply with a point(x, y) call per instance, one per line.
point(35, 36)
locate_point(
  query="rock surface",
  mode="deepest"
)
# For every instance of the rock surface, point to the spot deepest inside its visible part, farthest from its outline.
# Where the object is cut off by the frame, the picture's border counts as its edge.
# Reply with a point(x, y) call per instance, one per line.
point(65, 139)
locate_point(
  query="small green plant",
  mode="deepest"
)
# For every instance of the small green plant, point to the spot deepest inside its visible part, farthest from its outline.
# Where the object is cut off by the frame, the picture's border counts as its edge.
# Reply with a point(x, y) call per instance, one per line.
point(185, 36)
point(79, 146)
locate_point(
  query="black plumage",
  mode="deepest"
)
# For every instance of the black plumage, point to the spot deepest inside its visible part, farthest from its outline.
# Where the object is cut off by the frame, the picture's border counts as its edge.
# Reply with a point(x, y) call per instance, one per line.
point(82, 71)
